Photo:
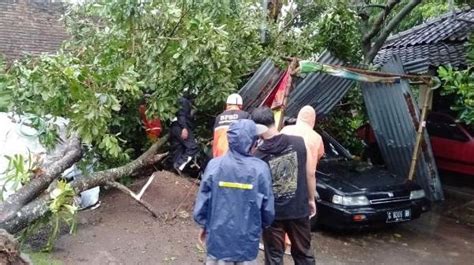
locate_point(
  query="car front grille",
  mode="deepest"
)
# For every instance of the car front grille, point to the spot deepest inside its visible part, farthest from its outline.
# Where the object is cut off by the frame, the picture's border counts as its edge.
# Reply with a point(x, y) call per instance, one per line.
point(389, 200)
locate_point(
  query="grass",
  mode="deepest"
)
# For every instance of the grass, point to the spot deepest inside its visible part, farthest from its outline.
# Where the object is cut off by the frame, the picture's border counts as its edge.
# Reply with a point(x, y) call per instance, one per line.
point(42, 258)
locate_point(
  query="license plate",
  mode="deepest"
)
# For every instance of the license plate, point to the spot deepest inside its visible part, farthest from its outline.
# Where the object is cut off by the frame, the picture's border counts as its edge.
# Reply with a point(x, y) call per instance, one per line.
point(398, 216)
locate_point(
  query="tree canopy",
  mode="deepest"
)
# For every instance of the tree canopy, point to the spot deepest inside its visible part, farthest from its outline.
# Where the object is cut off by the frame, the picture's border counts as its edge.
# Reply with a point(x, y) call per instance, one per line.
point(121, 50)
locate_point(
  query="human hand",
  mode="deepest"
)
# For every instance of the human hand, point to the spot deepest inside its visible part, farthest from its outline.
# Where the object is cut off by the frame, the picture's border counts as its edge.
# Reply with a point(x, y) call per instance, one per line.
point(184, 134)
point(312, 208)
point(202, 237)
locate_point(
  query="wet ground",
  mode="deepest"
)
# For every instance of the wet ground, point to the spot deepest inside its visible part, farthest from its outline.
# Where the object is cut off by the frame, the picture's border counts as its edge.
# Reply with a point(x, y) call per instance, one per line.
point(430, 240)
point(120, 232)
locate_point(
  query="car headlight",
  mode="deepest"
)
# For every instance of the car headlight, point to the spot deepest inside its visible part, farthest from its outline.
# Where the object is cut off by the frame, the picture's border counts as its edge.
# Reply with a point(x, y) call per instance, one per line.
point(417, 194)
point(350, 200)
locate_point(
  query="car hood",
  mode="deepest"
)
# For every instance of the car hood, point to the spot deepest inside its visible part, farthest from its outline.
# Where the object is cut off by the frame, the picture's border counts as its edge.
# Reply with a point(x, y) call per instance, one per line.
point(356, 177)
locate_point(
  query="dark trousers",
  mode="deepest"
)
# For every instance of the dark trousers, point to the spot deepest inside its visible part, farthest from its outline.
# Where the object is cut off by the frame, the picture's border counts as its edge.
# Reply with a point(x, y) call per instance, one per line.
point(299, 232)
point(181, 149)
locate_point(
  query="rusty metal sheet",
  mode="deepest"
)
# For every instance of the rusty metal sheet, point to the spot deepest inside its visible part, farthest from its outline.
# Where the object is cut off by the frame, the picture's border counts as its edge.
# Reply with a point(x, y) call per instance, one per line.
point(322, 91)
point(319, 90)
point(260, 84)
point(394, 117)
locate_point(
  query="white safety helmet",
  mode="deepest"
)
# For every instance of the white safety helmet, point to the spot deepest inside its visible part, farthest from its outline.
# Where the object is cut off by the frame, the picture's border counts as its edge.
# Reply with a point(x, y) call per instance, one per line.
point(234, 99)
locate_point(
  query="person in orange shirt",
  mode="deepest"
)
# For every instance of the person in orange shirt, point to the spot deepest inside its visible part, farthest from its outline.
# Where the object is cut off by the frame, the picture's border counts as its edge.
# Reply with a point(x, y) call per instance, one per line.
point(232, 113)
point(152, 126)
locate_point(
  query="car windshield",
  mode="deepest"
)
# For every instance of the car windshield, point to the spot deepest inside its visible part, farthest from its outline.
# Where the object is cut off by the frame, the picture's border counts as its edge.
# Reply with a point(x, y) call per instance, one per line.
point(470, 129)
point(445, 126)
point(333, 149)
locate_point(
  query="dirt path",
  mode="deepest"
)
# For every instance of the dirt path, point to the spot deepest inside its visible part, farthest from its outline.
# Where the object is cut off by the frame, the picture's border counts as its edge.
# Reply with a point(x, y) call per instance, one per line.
point(121, 232)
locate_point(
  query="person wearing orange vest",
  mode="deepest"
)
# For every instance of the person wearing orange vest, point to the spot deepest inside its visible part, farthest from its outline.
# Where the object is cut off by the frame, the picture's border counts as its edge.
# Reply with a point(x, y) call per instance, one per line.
point(232, 113)
point(152, 126)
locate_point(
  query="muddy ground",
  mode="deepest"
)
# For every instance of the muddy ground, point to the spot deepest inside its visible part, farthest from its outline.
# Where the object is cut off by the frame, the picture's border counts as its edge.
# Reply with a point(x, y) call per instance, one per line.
point(121, 232)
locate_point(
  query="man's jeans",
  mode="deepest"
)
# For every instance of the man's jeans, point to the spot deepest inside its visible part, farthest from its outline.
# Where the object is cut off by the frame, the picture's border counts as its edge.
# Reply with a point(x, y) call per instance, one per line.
point(299, 232)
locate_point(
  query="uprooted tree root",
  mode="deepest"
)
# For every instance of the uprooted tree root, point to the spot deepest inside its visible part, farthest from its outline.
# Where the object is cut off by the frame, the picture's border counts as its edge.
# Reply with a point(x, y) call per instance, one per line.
point(10, 253)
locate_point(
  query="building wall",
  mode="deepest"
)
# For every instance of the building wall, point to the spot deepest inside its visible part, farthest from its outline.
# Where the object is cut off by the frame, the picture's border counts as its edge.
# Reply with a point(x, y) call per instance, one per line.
point(30, 27)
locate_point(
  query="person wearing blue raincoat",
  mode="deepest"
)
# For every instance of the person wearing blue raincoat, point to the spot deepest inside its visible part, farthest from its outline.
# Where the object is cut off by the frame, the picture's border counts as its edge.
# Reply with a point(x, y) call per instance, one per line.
point(235, 199)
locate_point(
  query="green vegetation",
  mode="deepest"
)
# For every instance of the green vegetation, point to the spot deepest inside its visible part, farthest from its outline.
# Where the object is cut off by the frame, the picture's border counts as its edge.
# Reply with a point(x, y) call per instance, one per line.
point(121, 50)
point(461, 84)
point(18, 172)
point(42, 258)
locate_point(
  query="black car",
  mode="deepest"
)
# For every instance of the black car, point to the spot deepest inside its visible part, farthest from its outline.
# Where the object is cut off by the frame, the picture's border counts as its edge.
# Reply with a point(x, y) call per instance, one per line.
point(353, 194)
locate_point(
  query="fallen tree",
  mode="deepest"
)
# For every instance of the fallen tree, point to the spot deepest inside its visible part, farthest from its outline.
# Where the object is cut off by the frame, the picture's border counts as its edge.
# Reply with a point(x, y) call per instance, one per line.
point(40, 182)
point(14, 221)
point(118, 52)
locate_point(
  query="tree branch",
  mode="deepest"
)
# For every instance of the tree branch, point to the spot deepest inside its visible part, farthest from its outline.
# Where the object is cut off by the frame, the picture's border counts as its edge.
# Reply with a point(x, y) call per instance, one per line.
point(71, 154)
point(26, 215)
point(378, 23)
point(102, 177)
point(391, 25)
point(40, 206)
point(375, 6)
point(465, 20)
point(130, 193)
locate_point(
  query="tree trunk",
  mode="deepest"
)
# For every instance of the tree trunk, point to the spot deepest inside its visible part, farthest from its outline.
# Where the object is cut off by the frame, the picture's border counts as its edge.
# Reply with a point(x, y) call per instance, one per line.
point(377, 25)
point(390, 26)
point(102, 177)
point(27, 215)
point(40, 206)
point(71, 154)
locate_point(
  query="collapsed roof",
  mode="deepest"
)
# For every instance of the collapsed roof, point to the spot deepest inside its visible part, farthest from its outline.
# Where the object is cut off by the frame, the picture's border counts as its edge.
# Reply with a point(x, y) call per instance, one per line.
point(320, 90)
point(391, 107)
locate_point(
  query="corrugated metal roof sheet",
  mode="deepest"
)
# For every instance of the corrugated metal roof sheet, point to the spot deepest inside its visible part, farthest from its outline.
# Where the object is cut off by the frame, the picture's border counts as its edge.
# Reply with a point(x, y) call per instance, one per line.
point(394, 117)
point(322, 91)
point(260, 84)
point(319, 90)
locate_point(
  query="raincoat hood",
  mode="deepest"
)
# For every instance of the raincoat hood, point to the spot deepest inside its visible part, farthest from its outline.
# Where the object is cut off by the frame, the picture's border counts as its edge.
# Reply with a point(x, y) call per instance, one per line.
point(307, 116)
point(241, 135)
point(304, 128)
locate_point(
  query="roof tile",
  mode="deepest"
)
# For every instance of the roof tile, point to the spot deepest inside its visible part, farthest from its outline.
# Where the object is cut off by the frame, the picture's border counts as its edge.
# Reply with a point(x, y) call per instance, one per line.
point(438, 41)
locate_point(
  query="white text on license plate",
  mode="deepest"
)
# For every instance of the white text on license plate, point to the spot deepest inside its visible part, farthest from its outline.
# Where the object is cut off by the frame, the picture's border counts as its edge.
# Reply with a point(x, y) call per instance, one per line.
point(398, 216)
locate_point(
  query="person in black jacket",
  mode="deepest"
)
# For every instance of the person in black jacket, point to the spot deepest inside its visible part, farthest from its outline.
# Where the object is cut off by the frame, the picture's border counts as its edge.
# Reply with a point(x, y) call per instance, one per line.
point(183, 144)
point(287, 157)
